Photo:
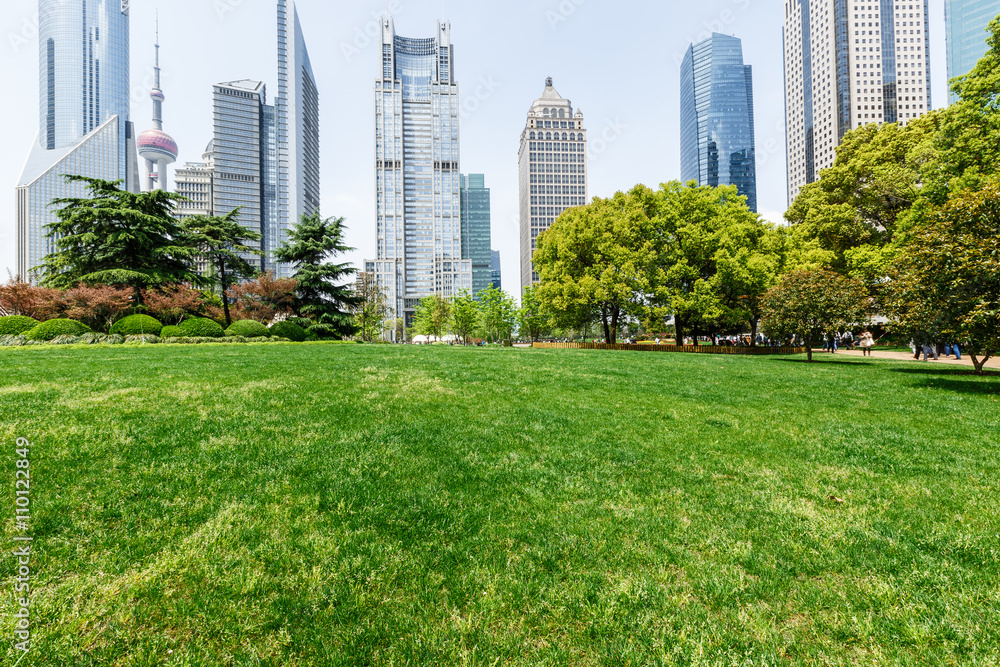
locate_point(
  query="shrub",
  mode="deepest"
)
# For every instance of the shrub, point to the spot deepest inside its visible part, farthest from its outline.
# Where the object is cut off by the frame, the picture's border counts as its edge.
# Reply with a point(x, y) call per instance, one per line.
point(15, 325)
point(66, 340)
point(137, 325)
point(13, 341)
point(147, 339)
point(325, 331)
point(52, 329)
point(289, 330)
point(202, 327)
point(172, 332)
point(247, 329)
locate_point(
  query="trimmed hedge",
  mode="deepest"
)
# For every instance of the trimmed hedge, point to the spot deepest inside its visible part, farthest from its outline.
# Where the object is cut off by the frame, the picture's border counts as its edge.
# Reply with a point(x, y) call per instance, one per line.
point(202, 327)
point(172, 332)
point(52, 329)
point(15, 325)
point(137, 325)
point(289, 330)
point(145, 339)
point(247, 329)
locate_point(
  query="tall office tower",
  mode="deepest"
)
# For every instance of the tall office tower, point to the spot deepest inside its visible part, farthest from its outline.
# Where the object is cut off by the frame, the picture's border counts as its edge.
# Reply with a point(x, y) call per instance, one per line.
point(717, 129)
point(156, 146)
point(966, 24)
point(84, 126)
point(553, 169)
point(418, 219)
point(476, 235)
point(194, 181)
point(296, 135)
point(849, 63)
point(496, 275)
point(243, 165)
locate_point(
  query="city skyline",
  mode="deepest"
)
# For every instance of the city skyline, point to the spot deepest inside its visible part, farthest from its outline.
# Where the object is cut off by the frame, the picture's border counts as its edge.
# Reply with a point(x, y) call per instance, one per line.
point(549, 41)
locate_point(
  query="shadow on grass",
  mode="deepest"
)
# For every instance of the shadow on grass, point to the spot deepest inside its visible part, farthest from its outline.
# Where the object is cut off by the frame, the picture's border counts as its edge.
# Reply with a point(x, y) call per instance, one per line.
point(969, 386)
point(823, 362)
point(944, 370)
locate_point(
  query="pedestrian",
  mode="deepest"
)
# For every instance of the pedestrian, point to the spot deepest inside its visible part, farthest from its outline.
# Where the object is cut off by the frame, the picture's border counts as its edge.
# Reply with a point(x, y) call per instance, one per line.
point(867, 342)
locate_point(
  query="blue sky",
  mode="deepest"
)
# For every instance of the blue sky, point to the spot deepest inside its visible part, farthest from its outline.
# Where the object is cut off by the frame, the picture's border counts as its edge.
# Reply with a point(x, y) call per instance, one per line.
point(617, 61)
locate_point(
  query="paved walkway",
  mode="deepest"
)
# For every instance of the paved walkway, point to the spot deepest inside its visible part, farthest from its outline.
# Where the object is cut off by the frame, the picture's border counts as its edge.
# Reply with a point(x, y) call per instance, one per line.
point(993, 363)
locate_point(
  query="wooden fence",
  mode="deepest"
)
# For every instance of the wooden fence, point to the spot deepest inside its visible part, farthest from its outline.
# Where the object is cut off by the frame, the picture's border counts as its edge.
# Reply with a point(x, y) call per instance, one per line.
point(690, 349)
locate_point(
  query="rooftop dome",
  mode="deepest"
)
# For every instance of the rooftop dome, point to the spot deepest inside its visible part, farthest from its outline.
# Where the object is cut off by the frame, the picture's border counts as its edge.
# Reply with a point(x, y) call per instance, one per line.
point(156, 144)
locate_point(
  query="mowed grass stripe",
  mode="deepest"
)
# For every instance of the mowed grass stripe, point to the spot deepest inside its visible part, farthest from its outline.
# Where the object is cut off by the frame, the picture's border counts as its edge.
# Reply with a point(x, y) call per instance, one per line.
point(344, 505)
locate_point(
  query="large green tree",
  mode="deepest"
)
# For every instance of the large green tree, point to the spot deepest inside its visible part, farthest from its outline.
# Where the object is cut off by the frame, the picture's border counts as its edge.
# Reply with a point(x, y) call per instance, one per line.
point(115, 237)
point(225, 244)
point(432, 316)
point(499, 313)
point(466, 318)
point(532, 320)
point(371, 307)
point(946, 283)
point(322, 294)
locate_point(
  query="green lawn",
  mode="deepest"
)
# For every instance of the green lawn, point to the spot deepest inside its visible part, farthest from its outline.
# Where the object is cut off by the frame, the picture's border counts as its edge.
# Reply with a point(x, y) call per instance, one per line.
point(381, 505)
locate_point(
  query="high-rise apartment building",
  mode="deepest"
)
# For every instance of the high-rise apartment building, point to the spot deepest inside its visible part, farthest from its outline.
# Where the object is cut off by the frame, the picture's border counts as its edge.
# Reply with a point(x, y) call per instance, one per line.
point(966, 23)
point(849, 63)
point(717, 119)
point(84, 126)
point(295, 130)
point(243, 161)
point(194, 182)
point(475, 206)
point(418, 213)
point(553, 169)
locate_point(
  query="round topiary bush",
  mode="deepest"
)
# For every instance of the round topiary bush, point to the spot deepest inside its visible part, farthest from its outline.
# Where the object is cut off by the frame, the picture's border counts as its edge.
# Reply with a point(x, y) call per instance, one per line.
point(172, 332)
point(137, 325)
point(52, 329)
point(15, 325)
point(202, 327)
point(289, 330)
point(247, 329)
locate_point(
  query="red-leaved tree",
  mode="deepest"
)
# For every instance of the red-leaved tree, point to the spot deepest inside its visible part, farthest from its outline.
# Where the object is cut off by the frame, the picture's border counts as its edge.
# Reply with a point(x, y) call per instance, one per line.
point(18, 297)
point(264, 298)
point(172, 303)
point(97, 306)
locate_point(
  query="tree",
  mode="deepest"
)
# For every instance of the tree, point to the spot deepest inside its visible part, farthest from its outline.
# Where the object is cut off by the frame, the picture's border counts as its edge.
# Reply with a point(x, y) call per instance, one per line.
point(748, 263)
point(18, 297)
point(97, 306)
point(172, 303)
point(320, 296)
point(532, 320)
point(264, 298)
point(465, 316)
point(499, 313)
point(371, 307)
point(946, 282)
point(223, 242)
point(809, 304)
point(116, 237)
point(431, 316)
point(596, 258)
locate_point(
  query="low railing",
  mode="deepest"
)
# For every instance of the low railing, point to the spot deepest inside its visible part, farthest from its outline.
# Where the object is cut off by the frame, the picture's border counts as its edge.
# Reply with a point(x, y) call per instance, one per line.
point(690, 349)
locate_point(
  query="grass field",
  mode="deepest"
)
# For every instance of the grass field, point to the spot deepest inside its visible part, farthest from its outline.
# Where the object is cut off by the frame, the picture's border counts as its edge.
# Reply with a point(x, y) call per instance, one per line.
point(381, 505)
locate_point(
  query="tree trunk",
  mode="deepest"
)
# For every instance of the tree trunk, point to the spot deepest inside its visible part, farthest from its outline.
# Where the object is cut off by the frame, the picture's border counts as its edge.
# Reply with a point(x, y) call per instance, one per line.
point(754, 323)
point(604, 322)
point(616, 312)
point(678, 330)
point(225, 296)
point(978, 363)
point(139, 303)
point(809, 349)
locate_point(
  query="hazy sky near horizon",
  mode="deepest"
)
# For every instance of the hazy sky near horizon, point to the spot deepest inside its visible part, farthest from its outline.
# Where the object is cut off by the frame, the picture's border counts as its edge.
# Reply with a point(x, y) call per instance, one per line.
point(616, 61)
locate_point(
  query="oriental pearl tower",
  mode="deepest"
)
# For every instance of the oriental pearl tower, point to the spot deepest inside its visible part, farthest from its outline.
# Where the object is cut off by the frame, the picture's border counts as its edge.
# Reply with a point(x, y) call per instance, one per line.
point(156, 146)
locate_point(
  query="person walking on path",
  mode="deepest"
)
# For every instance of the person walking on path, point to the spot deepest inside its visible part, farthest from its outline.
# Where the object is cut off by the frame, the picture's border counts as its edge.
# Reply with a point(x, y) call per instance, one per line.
point(866, 341)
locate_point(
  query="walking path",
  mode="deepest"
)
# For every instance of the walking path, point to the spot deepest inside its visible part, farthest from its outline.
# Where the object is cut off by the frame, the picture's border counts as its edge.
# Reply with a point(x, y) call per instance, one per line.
point(908, 356)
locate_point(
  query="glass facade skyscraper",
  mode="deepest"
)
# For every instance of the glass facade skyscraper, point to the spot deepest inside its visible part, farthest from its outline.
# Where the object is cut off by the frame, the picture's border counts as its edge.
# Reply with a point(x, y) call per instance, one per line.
point(476, 235)
point(84, 126)
point(849, 63)
point(552, 165)
point(496, 273)
point(418, 213)
point(295, 132)
point(717, 119)
point(966, 24)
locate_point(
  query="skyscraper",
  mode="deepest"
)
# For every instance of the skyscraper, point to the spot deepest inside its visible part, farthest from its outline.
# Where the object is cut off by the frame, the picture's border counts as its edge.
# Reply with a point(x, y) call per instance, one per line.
point(966, 24)
point(84, 126)
point(553, 169)
point(496, 274)
point(476, 235)
point(418, 218)
point(717, 128)
point(243, 160)
point(849, 63)
point(156, 146)
point(194, 181)
point(296, 135)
